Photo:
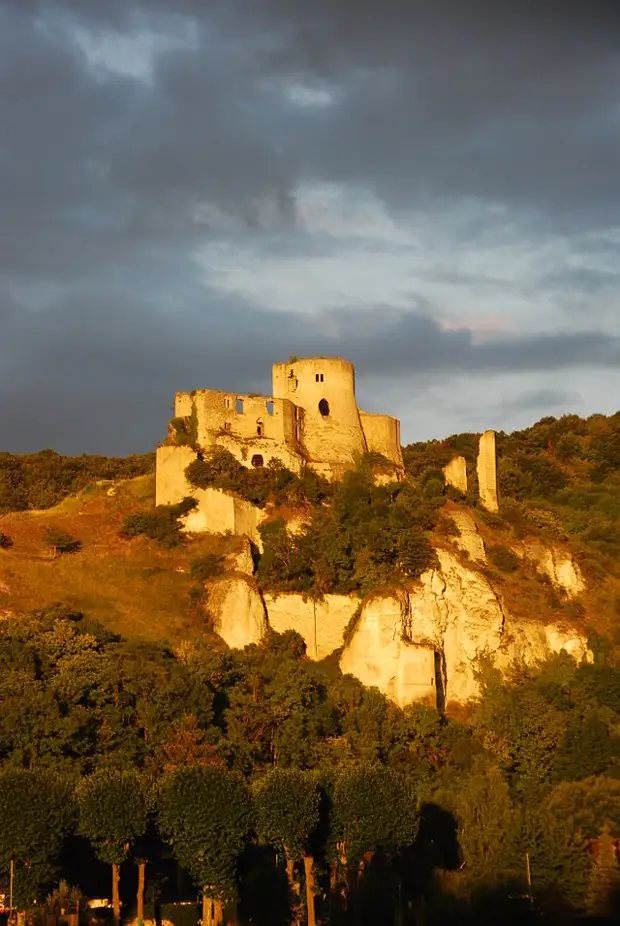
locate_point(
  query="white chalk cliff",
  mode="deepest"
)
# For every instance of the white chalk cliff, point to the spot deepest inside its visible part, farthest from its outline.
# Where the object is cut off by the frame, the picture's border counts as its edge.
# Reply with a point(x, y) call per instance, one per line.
point(420, 644)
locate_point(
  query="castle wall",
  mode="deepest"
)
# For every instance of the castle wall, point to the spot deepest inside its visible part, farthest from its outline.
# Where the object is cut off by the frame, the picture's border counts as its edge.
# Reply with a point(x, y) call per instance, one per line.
point(320, 623)
point(487, 472)
point(331, 431)
point(221, 513)
point(382, 434)
point(171, 486)
point(456, 474)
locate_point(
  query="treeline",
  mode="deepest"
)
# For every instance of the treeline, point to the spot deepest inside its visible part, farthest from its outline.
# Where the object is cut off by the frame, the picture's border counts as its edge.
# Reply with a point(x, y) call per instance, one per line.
point(42, 480)
point(560, 477)
point(381, 810)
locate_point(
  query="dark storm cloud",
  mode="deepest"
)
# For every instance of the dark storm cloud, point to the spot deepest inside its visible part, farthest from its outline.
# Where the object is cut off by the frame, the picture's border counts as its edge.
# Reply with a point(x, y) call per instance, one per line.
point(103, 379)
point(539, 400)
point(102, 312)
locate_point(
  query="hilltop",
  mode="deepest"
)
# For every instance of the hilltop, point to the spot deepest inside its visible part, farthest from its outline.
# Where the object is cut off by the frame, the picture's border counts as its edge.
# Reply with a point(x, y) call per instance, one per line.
point(549, 557)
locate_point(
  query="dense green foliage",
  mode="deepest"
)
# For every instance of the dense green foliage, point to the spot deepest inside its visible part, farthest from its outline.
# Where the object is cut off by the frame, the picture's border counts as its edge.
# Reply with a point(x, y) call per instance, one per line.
point(112, 812)
point(41, 480)
point(272, 483)
point(560, 477)
point(287, 809)
point(367, 538)
point(162, 524)
point(36, 811)
point(205, 813)
point(536, 767)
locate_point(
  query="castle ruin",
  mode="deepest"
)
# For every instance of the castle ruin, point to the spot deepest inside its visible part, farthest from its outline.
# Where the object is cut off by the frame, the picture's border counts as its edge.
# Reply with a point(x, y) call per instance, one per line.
point(311, 419)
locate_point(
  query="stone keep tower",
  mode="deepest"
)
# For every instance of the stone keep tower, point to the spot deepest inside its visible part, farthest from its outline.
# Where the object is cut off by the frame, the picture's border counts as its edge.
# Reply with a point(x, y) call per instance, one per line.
point(330, 429)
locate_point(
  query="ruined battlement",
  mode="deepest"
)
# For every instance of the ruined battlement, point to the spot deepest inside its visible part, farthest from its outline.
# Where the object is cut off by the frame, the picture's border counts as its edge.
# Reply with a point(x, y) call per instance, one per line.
point(311, 419)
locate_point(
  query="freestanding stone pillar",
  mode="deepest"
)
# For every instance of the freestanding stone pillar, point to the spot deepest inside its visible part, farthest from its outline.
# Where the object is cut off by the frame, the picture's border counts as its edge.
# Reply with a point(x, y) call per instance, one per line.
point(456, 474)
point(487, 472)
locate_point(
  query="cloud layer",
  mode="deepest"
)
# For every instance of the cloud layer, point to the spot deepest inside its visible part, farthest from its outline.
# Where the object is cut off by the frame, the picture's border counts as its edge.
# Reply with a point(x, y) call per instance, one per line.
point(430, 190)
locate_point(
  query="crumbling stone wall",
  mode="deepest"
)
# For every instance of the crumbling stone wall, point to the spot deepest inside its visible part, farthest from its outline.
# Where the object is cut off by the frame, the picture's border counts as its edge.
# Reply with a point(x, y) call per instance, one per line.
point(382, 435)
point(456, 474)
point(487, 472)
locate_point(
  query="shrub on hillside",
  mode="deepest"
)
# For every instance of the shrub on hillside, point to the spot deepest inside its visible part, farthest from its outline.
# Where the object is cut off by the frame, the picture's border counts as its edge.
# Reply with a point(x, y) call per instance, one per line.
point(206, 567)
point(162, 524)
point(5, 542)
point(503, 558)
point(60, 541)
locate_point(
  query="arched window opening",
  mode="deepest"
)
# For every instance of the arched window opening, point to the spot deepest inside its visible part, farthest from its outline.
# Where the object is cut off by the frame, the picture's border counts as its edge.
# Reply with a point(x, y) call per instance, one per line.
point(260, 428)
point(324, 407)
point(239, 406)
point(257, 460)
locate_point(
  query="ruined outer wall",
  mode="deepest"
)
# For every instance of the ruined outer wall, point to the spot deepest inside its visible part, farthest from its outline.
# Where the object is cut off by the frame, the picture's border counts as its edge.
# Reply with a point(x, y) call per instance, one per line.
point(456, 474)
point(244, 417)
point(329, 440)
point(382, 433)
point(320, 623)
point(487, 472)
point(171, 486)
point(221, 513)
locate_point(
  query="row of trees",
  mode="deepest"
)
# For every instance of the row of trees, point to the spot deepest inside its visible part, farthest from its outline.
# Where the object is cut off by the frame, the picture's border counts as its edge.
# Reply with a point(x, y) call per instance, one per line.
point(533, 768)
point(208, 814)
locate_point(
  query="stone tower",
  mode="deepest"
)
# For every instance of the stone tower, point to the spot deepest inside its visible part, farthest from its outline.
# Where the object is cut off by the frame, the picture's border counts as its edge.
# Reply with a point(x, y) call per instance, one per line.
point(330, 428)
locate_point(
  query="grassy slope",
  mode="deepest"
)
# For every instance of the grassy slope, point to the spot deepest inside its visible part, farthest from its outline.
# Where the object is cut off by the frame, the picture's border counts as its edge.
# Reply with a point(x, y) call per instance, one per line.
point(136, 588)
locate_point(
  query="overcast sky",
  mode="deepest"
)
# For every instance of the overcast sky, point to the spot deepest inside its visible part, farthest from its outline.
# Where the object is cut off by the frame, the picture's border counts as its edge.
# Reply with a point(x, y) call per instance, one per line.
point(429, 188)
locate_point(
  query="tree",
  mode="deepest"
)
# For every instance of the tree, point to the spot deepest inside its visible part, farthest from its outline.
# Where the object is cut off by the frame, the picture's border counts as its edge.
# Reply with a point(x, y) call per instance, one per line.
point(112, 816)
point(373, 809)
point(287, 812)
point(5, 542)
point(604, 889)
point(36, 813)
point(205, 813)
point(60, 541)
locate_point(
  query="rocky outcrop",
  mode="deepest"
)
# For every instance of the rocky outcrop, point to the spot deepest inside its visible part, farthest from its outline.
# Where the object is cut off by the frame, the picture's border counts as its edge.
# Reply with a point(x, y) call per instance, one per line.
point(237, 609)
point(241, 559)
point(455, 613)
point(559, 567)
point(321, 623)
point(380, 655)
point(468, 540)
point(455, 474)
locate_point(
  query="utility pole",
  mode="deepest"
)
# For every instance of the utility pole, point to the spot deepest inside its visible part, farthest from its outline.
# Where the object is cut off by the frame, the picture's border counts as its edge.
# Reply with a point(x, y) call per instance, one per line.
point(529, 877)
point(11, 870)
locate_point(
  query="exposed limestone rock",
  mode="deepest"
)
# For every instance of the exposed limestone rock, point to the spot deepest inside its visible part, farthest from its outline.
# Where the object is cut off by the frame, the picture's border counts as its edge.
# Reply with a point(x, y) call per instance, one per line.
point(456, 474)
point(469, 540)
point(241, 560)
point(455, 612)
point(238, 610)
point(456, 608)
point(558, 566)
point(487, 472)
point(528, 642)
point(320, 623)
point(380, 656)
